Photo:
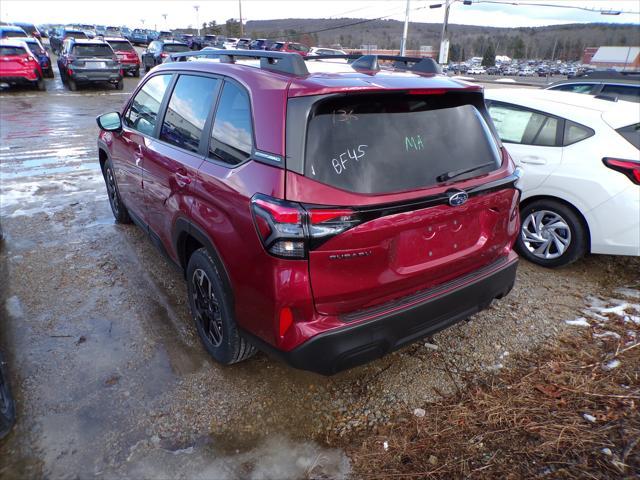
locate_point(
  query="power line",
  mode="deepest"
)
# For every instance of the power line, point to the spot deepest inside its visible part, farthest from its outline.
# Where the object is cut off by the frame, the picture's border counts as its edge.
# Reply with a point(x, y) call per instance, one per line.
point(359, 22)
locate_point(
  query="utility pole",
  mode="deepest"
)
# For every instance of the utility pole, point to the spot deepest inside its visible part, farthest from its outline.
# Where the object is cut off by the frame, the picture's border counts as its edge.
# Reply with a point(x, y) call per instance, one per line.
point(197, 7)
point(164, 15)
point(241, 27)
point(403, 43)
point(443, 57)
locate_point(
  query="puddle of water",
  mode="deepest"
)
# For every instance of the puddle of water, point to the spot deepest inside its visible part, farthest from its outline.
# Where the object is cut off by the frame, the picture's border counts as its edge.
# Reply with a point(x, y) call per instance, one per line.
point(273, 458)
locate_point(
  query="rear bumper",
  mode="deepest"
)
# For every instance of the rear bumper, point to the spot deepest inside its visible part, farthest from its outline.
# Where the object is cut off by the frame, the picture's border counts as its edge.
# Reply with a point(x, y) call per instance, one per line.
point(130, 67)
point(16, 79)
point(352, 345)
point(96, 76)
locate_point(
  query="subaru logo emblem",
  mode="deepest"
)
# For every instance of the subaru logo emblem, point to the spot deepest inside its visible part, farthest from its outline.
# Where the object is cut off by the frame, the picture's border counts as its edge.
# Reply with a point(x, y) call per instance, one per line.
point(458, 198)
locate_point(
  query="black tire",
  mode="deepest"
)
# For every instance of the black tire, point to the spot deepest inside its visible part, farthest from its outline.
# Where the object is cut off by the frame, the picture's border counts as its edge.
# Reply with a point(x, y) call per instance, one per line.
point(118, 208)
point(120, 84)
point(40, 85)
point(214, 316)
point(562, 244)
point(136, 73)
point(7, 406)
point(71, 83)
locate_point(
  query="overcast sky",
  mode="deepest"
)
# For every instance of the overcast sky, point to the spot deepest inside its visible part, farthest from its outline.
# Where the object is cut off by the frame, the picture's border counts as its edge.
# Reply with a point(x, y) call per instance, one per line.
point(180, 13)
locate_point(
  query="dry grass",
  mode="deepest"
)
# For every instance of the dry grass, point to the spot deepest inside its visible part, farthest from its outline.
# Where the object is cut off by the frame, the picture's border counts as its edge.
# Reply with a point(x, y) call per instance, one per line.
point(528, 421)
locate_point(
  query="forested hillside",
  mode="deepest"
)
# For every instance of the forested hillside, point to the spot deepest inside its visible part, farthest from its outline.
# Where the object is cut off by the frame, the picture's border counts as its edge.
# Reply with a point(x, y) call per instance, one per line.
point(561, 42)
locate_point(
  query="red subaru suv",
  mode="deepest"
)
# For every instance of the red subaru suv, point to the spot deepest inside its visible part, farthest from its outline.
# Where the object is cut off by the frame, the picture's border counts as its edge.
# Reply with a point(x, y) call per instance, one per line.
point(324, 212)
point(127, 56)
point(18, 66)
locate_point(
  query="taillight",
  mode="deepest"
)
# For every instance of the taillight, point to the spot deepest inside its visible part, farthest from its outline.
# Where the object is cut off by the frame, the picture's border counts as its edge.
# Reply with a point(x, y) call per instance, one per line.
point(631, 168)
point(279, 225)
point(164, 55)
point(28, 59)
point(289, 230)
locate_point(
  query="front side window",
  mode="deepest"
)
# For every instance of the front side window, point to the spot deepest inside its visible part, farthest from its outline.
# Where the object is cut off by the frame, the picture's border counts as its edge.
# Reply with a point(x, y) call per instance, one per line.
point(13, 34)
point(520, 125)
point(382, 143)
point(232, 135)
point(187, 112)
point(143, 112)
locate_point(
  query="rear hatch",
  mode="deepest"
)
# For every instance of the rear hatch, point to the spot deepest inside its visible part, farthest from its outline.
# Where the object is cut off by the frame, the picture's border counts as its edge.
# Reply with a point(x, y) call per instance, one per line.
point(415, 177)
point(94, 57)
point(14, 61)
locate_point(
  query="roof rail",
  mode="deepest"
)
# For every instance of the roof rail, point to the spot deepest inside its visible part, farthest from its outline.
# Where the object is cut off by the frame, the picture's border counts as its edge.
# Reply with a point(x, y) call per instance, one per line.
point(281, 62)
point(371, 62)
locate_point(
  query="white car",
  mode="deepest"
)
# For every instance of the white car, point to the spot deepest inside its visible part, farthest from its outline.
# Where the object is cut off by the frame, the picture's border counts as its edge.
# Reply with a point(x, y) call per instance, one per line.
point(476, 71)
point(315, 51)
point(580, 158)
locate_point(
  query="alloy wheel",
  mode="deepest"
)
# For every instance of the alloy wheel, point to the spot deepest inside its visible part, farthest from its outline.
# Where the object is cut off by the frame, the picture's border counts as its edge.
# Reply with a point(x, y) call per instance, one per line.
point(546, 234)
point(112, 191)
point(206, 306)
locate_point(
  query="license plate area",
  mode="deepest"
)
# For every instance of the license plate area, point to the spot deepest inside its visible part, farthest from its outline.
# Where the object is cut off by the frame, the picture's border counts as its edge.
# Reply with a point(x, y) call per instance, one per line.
point(95, 64)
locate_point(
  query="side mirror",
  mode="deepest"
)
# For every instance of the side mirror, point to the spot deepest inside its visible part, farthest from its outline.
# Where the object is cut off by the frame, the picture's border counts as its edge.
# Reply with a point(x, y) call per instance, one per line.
point(111, 122)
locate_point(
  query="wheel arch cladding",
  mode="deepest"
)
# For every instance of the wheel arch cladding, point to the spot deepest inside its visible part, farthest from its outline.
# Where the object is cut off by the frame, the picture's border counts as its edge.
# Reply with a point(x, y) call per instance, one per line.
point(187, 238)
point(525, 203)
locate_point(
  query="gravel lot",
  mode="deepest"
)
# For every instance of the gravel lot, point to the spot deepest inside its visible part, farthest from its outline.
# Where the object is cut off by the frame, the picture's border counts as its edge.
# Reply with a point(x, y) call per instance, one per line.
point(109, 375)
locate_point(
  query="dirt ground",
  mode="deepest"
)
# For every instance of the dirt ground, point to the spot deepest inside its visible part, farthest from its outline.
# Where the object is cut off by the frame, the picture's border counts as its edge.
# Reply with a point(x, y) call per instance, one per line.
point(109, 376)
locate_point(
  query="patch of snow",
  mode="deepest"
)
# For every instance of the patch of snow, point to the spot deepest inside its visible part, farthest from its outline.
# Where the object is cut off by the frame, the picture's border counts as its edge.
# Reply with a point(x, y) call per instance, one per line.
point(14, 307)
point(612, 364)
point(628, 292)
point(607, 452)
point(419, 412)
point(578, 322)
point(385, 445)
point(589, 418)
point(606, 334)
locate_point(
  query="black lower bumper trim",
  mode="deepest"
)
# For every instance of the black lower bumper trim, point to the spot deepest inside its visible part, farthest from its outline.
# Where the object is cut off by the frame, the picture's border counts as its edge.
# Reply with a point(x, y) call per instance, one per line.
point(344, 348)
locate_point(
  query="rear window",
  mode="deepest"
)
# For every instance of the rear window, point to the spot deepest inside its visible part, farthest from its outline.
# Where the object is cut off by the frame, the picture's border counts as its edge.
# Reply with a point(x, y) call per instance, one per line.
point(36, 48)
point(92, 51)
point(631, 134)
point(389, 143)
point(79, 35)
point(629, 93)
point(122, 46)
point(174, 48)
point(13, 34)
point(12, 51)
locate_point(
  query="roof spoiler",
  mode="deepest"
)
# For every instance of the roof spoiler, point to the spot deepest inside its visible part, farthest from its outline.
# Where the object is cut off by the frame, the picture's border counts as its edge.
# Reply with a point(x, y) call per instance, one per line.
point(294, 64)
point(371, 62)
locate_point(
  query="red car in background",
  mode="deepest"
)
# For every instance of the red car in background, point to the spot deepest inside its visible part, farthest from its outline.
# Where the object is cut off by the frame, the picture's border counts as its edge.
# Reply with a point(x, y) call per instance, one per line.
point(18, 66)
point(126, 54)
point(291, 47)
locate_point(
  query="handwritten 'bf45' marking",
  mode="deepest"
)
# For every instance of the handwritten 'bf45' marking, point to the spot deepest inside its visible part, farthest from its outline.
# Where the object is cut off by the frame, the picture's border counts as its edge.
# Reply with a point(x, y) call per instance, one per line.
point(340, 163)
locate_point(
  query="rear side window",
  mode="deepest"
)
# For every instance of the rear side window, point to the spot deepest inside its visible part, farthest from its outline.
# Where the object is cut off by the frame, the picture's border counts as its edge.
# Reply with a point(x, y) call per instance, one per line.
point(520, 125)
point(575, 88)
point(232, 135)
point(76, 35)
point(623, 92)
point(574, 133)
point(187, 112)
point(143, 112)
point(12, 51)
point(36, 48)
point(390, 143)
point(631, 134)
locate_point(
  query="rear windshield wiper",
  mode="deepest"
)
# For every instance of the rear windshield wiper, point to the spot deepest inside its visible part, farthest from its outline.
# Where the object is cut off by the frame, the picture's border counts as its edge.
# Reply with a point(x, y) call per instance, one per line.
point(456, 173)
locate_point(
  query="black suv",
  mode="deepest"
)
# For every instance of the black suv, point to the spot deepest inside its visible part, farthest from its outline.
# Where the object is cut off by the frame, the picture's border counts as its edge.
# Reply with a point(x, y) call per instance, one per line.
point(89, 61)
point(159, 50)
point(60, 35)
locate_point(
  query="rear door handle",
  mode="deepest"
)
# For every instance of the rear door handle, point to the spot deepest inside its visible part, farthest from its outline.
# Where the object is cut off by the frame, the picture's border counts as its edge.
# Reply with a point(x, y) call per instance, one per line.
point(533, 160)
point(182, 179)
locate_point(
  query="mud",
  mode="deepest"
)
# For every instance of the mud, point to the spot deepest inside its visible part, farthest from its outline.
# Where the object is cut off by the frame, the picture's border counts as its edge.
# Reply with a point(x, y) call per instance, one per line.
point(109, 375)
